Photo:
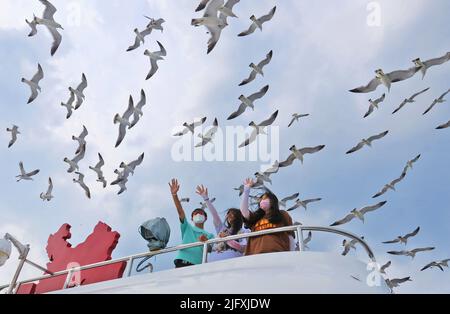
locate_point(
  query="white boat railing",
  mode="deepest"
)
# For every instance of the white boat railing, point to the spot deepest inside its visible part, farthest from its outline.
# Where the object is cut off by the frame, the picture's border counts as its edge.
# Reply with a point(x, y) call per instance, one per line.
point(298, 229)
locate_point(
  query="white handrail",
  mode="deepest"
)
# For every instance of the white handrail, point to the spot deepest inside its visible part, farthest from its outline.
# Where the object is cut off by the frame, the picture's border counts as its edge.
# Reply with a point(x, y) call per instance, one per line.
point(129, 259)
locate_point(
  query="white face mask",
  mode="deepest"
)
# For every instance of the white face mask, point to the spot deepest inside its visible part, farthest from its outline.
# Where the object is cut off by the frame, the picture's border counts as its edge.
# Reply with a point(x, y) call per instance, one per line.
point(198, 219)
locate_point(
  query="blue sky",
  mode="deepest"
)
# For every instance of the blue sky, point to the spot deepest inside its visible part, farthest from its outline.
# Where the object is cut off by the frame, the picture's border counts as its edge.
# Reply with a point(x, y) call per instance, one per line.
point(321, 50)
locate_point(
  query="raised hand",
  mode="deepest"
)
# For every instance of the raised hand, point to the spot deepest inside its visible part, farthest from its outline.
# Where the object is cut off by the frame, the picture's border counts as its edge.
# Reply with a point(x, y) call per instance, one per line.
point(174, 186)
point(202, 191)
point(203, 238)
point(249, 183)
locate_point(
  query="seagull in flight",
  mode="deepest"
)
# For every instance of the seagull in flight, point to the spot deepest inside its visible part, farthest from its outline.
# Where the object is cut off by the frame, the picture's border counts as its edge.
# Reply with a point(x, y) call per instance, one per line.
point(248, 102)
point(258, 22)
point(79, 91)
point(69, 105)
point(83, 185)
point(140, 36)
point(367, 142)
point(81, 139)
point(349, 245)
point(411, 253)
point(190, 127)
point(425, 65)
point(282, 202)
point(48, 21)
point(124, 121)
point(257, 69)
point(296, 117)
point(374, 104)
point(386, 79)
point(403, 239)
point(26, 175)
point(299, 154)
point(73, 163)
point(137, 113)
point(304, 203)
point(392, 283)
point(409, 163)
point(14, 131)
point(98, 170)
point(258, 129)
point(438, 100)
point(391, 185)
point(130, 167)
point(47, 196)
point(358, 213)
point(34, 83)
point(155, 56)
point(208, 136)
point(214, 22)
point(438, 264)
point(384, 267)
point(409, 100)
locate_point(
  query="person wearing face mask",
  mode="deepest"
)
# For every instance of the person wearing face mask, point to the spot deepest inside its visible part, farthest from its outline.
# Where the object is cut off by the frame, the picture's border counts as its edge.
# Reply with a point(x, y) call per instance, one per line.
point(189, 233)
point(232, 225)
point(268, 216)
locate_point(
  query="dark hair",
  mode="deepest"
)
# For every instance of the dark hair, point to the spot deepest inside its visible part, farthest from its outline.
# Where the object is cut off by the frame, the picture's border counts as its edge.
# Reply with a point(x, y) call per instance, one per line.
point(274, 216)
point(199, 210)
point(237, 225)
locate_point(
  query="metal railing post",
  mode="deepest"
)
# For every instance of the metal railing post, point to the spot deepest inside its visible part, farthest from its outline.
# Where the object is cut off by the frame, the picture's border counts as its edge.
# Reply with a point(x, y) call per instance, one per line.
point(205, 253)
point(301, 245)
point(130, 266)
point(18, 270)
point(68, 277)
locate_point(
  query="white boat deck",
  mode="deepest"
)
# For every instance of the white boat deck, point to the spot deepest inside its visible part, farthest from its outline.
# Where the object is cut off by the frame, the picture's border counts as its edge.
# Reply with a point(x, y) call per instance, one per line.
point(274, 273)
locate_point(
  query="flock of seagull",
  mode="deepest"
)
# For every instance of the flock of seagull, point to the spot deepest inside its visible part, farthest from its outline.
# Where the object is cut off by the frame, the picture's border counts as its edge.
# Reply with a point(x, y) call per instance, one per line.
point(215, 19)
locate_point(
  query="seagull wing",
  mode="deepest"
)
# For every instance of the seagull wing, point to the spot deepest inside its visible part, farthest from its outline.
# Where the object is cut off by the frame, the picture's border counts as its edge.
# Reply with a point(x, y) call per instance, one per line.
point(137, 43)
point(136, 162)
point(266, 61)
point(292, 121)
point(39, 75)
point(83, 133)
point(215, 36)
point(22, 169)
point(311, 150)
point(404, 102)
point(130, 109)
point(249, 31)
point(50, 186)
point(250, 139)
point(444, 126)
point(418, 93)
point(369, 111)
point(378, 136)
point(267, 17)
point(153, 69)
point(306, 202)
point(101, 162)
point(139, 105)
point(295, 206)
point(383, 268)
point(356, 148)
point(398, 252)
point(422, 249)
point(288, 161)
point(49, 10)
point(238, 112)
point(213, 130)
point(381, 99)
point(401, 75)
point(431, 107)
point(270, 120)
point(345, 220)
point(372, 208)
point(371, 86)
point(391, 241)
point(202, 5)
point(290, 198)
point(412, 234)
point(443, 95)
point(57, 38)
point(32, 173)
point(81, 87)
point(213, 7)
point(250, 78)
point(383, 190)
point(437, 61)
point(162, 51)
point(80, 155)
point(259, 94)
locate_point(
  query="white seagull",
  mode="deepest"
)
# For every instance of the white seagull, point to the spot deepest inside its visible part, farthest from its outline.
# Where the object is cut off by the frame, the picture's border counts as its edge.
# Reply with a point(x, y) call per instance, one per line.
point(48, 21)
point(155, 56)
point(34, 83)
point(391, 185)
point(303, 203)
point(411, 253)
point(214, 22)
point(69, 105)
point(425, 65)
point(98, 170)
point(14, 131)
point(392, 283)
point(258, 22)
point(73, 163)
point(299, 154)
point(443, 126)
point(282, 202)
point(208, 136)
point(248, 102)
point(79, 91)
point(140, 36)
point(403, 239)
point(190, 127)
point(124, 121)
point(438, 100)
point(258, 129)
point(130, 167)
point(257, 69)
point(374, 104)
point(296, 117)
point(137, 113)
point(409, 100)
point(81, 139)
point(47, 196)
point(83, 185)
point(367, 142)
point(26, 175)
point(386, 79)
point(358, 213)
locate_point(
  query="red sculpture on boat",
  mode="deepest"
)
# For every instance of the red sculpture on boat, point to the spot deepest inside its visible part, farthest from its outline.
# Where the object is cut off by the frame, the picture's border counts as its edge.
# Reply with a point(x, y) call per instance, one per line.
point(97, 247)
